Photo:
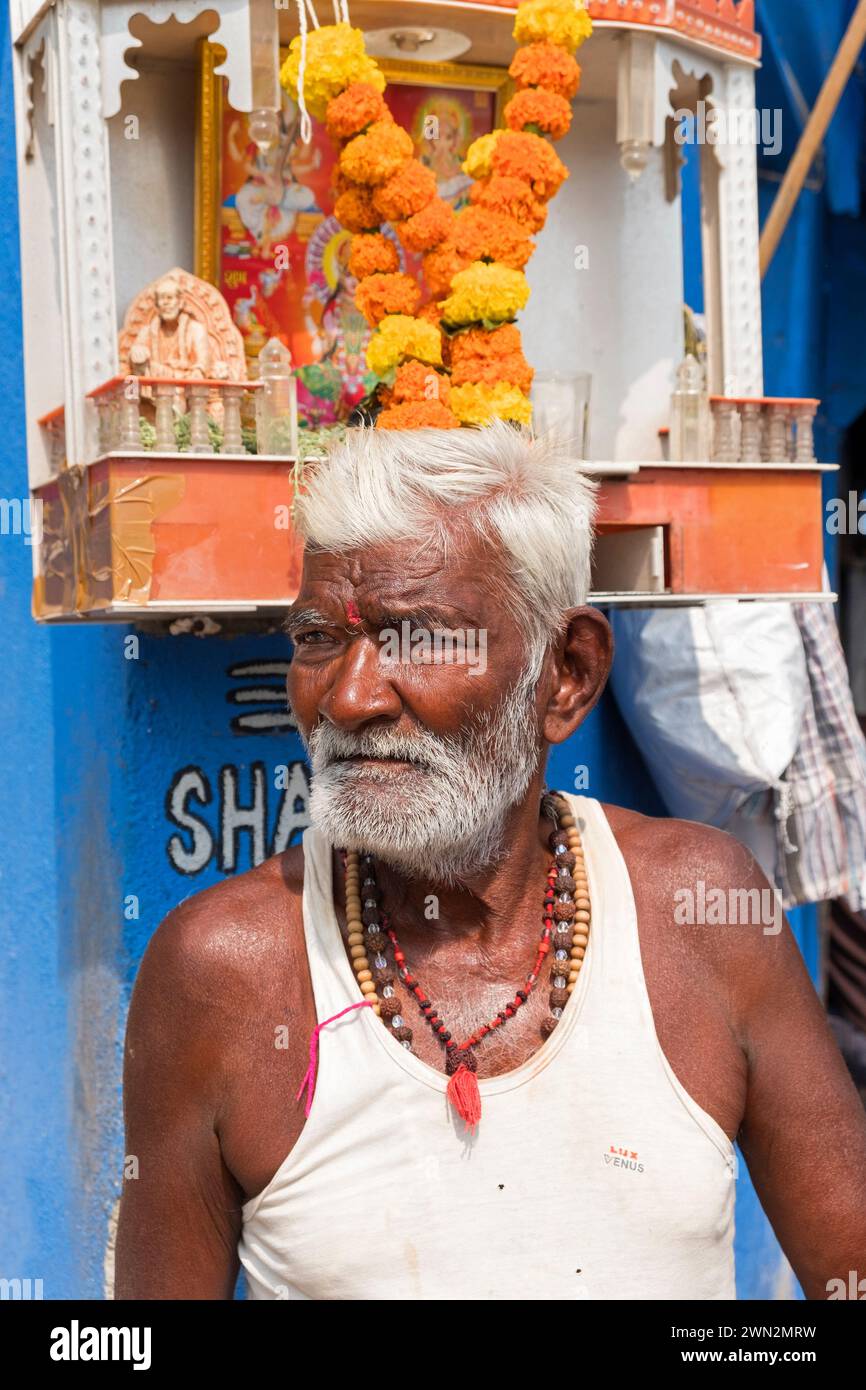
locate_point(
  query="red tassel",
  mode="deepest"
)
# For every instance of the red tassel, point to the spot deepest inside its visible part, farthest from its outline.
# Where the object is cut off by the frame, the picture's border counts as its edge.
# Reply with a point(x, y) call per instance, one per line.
point(465, 1096)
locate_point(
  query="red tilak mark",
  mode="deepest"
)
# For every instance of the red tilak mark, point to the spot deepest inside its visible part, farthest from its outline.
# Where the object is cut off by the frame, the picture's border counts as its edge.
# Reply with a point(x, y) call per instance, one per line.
point(353, 613)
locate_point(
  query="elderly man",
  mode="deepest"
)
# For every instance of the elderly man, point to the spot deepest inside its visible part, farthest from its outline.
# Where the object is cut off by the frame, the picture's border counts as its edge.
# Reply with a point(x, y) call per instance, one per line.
point(460, 1044)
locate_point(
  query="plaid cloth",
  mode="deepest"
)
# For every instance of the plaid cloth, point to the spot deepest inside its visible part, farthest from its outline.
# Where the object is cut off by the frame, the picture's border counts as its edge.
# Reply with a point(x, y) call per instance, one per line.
point(821, 803)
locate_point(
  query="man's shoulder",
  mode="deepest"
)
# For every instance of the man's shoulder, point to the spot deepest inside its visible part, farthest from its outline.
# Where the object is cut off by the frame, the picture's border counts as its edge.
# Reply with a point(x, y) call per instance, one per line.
point(229, 931)
point(700, 894)
point(669, 846)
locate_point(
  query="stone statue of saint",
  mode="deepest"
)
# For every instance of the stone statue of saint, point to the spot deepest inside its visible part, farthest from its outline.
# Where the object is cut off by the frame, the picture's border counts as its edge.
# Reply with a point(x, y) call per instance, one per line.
point(180, 326)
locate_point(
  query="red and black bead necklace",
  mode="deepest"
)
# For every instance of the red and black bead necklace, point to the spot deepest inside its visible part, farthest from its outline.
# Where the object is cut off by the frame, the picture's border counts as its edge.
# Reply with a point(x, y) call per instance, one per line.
point(565, 931)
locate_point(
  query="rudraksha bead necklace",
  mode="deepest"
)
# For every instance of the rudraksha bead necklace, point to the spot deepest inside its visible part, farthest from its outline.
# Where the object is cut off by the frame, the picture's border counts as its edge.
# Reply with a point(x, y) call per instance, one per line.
point(565, 931)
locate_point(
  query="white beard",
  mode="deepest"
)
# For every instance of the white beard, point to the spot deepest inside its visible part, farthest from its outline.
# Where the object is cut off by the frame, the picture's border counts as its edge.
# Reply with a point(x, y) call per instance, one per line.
point(442, 821)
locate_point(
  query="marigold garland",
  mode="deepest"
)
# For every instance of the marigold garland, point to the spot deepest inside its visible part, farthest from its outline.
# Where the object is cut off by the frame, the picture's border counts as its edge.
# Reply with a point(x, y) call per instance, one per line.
point(415, 381)
point(545, 65)
point(487, 356)
point(353, 110)
point(381, 151)
point(476, 404)
point(398, 337)
point(560, 22)
point(478, 163)
point(371, 253)
point(406, 193)
point(504, 193)
point(482, 234)
point(378, 295)
point(473, 261)
point(354, 210)
point(428, 228)
point(336, 58)
point(522, 155)
point(546, 112)
point(418, 415)
point(485, 293)
point(440, 267)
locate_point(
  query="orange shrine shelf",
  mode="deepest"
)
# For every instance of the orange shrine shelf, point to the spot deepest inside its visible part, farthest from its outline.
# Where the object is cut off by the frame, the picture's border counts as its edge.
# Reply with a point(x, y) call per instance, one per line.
point(148, 536)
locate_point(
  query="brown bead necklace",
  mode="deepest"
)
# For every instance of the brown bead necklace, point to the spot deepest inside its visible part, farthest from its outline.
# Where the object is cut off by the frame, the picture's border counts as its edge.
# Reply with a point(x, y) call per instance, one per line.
point(566, 919)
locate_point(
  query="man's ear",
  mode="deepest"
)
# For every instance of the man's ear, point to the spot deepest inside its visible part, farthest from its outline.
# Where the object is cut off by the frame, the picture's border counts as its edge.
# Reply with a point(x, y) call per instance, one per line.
point(582, 662)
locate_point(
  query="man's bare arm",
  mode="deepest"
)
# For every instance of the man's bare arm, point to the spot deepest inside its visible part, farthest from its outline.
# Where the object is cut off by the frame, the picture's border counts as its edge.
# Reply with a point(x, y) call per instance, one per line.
point(180, 1216)
point(804, 1129)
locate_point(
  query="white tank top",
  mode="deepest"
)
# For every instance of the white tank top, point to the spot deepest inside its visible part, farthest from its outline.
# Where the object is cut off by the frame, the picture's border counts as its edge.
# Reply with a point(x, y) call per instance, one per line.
point(592, 1174)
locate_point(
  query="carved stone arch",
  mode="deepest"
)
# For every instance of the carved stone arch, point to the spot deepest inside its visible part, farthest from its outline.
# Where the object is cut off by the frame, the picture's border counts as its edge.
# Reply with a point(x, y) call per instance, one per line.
point(37, 60)
point(695, 90)
point(230, 30)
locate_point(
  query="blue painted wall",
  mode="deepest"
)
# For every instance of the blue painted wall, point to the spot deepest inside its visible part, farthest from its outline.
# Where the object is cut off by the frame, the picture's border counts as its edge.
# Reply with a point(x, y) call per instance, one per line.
point(97, 739)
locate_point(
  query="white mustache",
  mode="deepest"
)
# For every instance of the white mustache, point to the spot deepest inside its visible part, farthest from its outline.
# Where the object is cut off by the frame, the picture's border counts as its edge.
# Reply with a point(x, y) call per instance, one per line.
point(329, 745)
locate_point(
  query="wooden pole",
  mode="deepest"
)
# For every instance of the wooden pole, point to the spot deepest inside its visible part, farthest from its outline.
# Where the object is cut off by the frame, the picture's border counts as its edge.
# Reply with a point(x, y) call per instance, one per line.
point(813, 135)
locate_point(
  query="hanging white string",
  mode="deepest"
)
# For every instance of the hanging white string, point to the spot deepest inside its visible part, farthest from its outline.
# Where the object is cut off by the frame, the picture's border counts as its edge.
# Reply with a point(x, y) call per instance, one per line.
point(314, 18)
point(306, 124)
point(337, 15)
point(344, 6)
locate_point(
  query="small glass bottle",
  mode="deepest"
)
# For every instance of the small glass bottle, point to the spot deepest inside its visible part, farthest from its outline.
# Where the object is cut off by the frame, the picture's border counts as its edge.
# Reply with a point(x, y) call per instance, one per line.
point(690, 414)
point(277, 402)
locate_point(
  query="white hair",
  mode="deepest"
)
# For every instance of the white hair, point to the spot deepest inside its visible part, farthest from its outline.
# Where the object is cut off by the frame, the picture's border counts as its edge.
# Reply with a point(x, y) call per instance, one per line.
point(525, 496)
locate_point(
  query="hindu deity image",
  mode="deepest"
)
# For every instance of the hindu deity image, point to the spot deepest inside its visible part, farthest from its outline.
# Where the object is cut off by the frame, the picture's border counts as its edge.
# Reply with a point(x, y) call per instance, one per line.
point(443, 130)
point(270, 200)
point(337, 379)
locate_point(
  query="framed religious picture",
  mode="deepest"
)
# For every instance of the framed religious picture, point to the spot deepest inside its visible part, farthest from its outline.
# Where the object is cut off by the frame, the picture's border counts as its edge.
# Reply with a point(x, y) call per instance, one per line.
point(266, 235)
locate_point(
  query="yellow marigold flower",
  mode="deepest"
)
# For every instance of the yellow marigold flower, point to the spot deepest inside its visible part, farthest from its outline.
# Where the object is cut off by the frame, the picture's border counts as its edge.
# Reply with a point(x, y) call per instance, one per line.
point(399, 336)
point(375, 156)
point(478, 156)
point(336, 57)
point(477, 405)
point(485, 293)
point(561, 22)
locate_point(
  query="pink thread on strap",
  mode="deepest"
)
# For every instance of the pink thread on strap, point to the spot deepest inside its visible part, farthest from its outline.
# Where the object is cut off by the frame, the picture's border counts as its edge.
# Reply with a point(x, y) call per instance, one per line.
point(309, 1080)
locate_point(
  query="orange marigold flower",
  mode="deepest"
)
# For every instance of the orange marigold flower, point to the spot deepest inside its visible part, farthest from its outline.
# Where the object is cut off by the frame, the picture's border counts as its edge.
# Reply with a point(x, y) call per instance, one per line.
point(415, 381)
point(417, 415)
point(373, 157)
point(546, 65)
point(379, 295)
point(514, 197)
point(520, 155)
point(440, 267)
point(431, 312)
point(481, 356)
point(485, 342)
point(486, 371)
point(427, 228)
point(354, 109)
point(372, 252)
point(481, 234)
point(406, 192)
point(354, 210)
point(546, 112)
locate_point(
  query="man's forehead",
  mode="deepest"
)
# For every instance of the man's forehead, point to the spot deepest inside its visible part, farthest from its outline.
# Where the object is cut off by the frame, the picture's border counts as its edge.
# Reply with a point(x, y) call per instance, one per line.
point(405, 568)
